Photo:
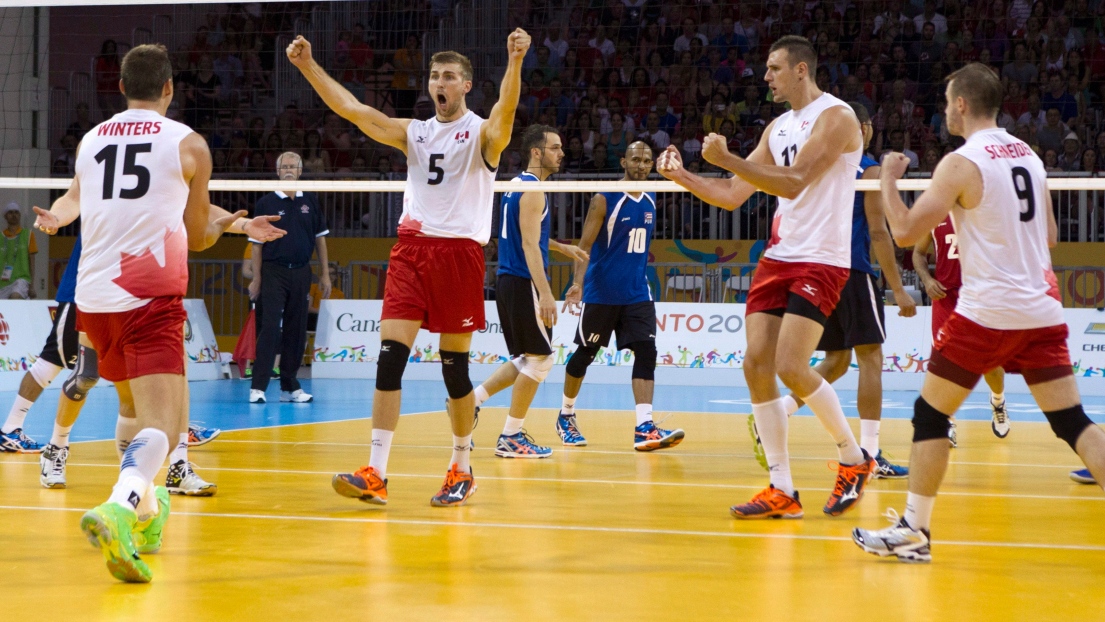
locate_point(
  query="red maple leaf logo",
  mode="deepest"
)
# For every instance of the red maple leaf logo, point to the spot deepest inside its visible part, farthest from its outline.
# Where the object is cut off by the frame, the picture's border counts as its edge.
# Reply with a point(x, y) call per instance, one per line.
point(143, 277)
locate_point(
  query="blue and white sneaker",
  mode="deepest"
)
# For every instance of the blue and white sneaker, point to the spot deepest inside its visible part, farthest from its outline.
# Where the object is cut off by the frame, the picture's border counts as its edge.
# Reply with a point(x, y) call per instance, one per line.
point(520, 445)
point(568, 431)
point(648, 437)
point(199, 435)
point(17, 442)
point(884, 469)
point(1083, 476)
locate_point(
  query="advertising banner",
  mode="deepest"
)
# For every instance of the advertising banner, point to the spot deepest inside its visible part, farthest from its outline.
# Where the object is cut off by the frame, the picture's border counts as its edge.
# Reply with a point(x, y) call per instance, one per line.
point(24, 325)
point(688, 335)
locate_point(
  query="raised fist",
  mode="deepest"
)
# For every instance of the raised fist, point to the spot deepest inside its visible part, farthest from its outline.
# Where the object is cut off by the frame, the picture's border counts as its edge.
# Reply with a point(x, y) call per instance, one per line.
point(517, 44)
point(299, 51)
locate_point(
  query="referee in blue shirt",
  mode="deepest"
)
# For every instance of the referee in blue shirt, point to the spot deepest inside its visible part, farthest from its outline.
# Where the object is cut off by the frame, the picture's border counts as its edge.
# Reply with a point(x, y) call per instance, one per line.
point(281, 288)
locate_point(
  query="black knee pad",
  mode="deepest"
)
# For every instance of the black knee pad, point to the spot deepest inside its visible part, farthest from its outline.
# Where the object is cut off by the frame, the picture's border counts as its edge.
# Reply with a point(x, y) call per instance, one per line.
point(644, 360)
point(1069, 423)
point(84, 377)
point(454, 369)
point(581, 358)
point(390, 365)
point(929, 423)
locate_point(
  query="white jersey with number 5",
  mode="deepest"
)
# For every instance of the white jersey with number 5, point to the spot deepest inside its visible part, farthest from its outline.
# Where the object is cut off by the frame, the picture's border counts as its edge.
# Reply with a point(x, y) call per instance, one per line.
point(450, 187)
point(132, 196)
point(815, 226)
point(1008, 283)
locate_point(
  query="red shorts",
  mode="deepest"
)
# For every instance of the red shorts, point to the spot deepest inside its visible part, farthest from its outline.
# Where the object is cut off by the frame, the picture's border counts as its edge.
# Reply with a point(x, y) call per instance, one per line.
point(942, 310)
point(437, 281)
point(964, 350)
point(140, 342)
point(774, 281)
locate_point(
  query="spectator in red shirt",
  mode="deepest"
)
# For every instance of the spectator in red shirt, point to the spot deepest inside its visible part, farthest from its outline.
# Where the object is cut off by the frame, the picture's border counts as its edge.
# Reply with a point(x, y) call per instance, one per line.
point(108, 96)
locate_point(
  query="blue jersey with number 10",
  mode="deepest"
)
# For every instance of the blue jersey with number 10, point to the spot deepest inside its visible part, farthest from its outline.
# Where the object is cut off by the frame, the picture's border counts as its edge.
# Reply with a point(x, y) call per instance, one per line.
point(619, 256)
point(512, 257)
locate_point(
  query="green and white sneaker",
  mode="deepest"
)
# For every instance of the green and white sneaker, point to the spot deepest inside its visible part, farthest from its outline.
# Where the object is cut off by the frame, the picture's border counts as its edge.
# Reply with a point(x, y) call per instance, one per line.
point(110, 527)
point(147, 534)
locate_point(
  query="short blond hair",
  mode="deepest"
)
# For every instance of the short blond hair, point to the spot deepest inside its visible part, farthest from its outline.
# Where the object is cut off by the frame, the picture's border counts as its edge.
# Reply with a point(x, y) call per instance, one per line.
point(453, 58)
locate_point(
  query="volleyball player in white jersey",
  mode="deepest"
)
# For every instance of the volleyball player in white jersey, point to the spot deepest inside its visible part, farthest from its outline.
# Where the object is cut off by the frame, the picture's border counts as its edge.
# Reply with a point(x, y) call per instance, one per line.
point(141, 191)
point(808, 157)
point(1009, 314)
point(436, 270)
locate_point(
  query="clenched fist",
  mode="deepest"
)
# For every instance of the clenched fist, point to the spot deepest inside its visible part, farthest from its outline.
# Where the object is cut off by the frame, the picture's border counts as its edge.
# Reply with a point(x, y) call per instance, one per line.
point(715, 149)
point(669, 163)
point(517, 44)
point(894, 165)
point(299, 51)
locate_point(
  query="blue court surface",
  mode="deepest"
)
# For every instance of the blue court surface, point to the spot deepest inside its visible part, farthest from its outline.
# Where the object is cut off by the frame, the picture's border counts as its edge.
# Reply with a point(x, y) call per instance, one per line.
point(224, 404)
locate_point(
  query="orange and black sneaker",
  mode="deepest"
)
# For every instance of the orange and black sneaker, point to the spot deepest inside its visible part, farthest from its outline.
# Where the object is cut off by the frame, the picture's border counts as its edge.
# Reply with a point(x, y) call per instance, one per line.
point(365, 484)
point(769, 503)
point(458, 487)
point(851, 480)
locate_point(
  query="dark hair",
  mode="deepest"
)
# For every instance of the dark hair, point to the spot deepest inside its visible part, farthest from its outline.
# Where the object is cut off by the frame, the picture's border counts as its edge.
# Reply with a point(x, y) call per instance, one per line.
point(799, 50)
point(980, 87)
point(145, 70)
point(534, 138)
point(861, 112)
point(445, 58)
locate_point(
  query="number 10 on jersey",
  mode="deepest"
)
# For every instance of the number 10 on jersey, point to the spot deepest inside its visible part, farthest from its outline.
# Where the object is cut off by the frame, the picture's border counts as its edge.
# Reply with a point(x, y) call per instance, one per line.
point(638, 240)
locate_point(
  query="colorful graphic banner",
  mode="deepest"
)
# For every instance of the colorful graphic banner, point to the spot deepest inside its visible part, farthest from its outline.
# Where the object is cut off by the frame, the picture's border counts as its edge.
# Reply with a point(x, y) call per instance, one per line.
point(688, 335)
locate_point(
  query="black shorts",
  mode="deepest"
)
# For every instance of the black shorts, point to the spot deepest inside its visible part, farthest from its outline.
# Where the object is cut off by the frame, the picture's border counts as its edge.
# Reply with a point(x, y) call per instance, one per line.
point(525, 333)
point(63, 343)
point(858, 318)
point(631, 323)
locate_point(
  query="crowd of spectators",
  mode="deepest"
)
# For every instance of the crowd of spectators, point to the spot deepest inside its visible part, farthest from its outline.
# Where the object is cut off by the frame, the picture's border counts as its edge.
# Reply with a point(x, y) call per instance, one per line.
point(608, 72)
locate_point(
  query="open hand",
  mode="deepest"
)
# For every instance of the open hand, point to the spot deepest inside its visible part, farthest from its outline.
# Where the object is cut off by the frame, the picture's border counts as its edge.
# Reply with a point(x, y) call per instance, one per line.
point(572, 300)
point(46, 221)
point(261, 228)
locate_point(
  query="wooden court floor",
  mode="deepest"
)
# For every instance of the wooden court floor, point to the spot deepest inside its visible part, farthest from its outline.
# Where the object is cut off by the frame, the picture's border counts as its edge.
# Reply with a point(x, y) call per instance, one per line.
point(596, 533)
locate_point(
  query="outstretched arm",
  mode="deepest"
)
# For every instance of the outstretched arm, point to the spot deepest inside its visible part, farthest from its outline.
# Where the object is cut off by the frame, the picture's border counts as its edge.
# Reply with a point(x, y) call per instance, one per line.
point(950, 181)
point(728, 194)
point(836, 132)
point(883, 248)
point(495, 133)
point(375, 124)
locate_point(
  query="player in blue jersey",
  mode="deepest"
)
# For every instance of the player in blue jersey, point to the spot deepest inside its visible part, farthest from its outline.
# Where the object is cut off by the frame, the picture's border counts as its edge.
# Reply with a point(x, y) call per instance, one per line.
point(527, 307)
point(858, 323)
point(616, 298)
point(67, 349)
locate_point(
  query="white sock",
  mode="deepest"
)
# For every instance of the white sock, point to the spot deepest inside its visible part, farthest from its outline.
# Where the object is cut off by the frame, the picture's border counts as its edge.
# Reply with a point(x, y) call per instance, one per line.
point(771, 423)
point(17, 414)
point(568, 405)
point(125, 429)
point(790, 405)
point(481, 395)
point(141, 462)
point(997, 398)
point(869, 436)
point(462, 451)
point(61, 435)
point(918, 510)
point(381, 447)
point(644, 413)
point(826, 405)
point(513, 426)
point(180, 452)
point(147, 506)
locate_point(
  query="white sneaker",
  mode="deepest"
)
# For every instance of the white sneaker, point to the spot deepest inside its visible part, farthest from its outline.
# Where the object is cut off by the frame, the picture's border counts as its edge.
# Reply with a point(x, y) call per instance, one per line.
point(297, 396)
point(902, 541)
point(52, 466)
point(953, 436)
point(256, 396)
point(999, 422)
point(182, 480)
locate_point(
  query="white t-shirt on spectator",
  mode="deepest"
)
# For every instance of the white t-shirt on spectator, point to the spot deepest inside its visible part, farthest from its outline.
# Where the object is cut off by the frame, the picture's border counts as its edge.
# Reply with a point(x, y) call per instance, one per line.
point(659, 140)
